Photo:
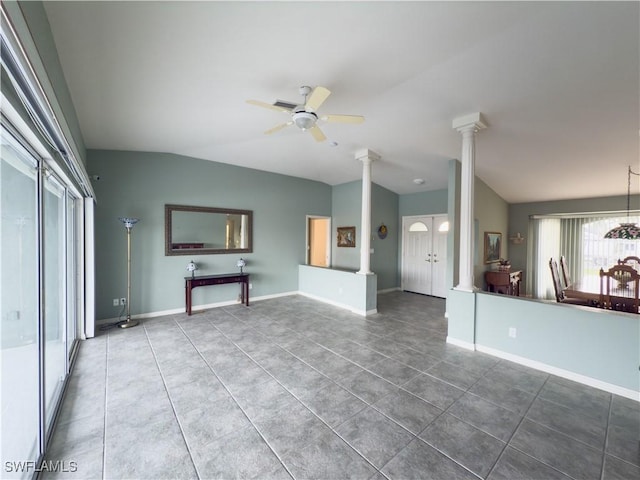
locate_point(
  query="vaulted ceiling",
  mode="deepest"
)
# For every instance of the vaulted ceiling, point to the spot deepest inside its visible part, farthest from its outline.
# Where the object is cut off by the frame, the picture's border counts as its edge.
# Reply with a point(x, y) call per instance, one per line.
point(558, 84)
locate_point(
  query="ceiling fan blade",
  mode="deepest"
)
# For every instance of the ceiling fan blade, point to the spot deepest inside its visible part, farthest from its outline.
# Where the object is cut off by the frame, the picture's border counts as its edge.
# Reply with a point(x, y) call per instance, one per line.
point(317, 98)
point(317, 134)
point(343, 118)
point(278, 127)
point(268, 105)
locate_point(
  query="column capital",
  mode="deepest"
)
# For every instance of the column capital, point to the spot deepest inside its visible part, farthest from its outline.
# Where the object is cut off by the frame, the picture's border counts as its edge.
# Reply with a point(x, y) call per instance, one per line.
point(473, 122)
point(366, 154)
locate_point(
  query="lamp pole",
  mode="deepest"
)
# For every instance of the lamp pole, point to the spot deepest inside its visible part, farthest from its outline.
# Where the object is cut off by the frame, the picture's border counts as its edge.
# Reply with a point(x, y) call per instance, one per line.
point(128, 223)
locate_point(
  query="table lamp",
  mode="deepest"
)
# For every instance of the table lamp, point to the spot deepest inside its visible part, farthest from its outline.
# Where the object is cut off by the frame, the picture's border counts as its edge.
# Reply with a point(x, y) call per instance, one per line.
point(192, 267)
point(241, 263)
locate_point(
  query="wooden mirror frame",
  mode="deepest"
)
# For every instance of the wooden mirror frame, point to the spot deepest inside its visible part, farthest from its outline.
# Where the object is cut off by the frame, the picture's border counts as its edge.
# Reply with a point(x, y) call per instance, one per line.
point(168, 240)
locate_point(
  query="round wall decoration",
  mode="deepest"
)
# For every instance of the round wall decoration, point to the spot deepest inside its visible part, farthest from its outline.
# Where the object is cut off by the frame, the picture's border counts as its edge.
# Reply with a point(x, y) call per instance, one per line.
point(382, 231)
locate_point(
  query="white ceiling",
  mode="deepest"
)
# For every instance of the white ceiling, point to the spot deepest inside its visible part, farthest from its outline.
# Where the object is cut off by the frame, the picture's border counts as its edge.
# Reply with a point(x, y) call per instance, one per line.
point(558, 84)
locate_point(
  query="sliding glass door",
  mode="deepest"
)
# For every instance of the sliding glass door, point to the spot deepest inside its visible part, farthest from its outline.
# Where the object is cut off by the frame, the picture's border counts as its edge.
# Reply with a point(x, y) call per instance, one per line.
point(72, 273)
point(55, 351)
point(20, 323)
point(39, 245)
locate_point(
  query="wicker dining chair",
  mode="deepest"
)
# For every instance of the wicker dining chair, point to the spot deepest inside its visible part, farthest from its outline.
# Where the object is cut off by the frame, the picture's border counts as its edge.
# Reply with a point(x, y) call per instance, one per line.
point(632, 261)
point(620, 289)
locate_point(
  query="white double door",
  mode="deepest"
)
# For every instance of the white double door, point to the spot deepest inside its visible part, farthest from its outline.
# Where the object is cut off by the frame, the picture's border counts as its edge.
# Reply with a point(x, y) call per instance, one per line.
point(424, 254)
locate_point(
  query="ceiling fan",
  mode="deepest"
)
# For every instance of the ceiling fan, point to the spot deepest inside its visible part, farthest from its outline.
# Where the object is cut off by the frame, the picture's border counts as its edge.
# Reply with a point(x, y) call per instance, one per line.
point(304, 115)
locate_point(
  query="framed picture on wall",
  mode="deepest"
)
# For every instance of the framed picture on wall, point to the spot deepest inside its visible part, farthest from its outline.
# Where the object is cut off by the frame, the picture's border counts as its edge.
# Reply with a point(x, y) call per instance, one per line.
point(492, 246)
point(346, 236)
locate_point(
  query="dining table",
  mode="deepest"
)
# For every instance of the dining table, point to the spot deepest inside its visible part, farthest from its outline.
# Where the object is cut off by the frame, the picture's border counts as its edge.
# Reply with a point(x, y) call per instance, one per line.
point(588, 288)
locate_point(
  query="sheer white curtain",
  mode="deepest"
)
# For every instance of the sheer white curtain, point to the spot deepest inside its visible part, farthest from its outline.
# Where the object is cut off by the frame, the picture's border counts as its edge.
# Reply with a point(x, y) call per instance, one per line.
point(572, 244)
point(546, 232)
point(580, 238)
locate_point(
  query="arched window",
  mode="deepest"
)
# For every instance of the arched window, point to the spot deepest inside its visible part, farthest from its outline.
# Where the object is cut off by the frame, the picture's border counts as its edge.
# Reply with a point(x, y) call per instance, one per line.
point(418, 227)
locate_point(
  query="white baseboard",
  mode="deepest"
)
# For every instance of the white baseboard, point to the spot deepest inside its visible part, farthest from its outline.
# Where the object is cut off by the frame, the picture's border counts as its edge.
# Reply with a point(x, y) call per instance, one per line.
point(362, 313)
point(389, 290)
point(461, 343)
point(195, 308)
point(576, 377)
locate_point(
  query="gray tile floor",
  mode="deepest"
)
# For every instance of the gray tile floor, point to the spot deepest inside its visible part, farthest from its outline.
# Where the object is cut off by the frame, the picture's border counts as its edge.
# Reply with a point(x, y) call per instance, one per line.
point(293, 388)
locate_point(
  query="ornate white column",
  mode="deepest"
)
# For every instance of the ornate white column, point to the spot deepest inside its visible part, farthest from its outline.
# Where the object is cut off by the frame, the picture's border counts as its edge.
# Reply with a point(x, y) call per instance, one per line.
point(468, 126)
point(366, 156)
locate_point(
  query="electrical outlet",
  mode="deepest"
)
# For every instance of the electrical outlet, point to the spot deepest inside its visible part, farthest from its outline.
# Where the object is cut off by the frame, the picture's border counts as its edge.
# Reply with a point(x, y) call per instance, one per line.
point(512, 332)
point(123, 301)
point(250, 286)
point(116, 302)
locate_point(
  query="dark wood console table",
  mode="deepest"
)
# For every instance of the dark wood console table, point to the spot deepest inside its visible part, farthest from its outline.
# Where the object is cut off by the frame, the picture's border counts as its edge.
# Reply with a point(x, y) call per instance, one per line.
point(504, 282)
point(203, 280)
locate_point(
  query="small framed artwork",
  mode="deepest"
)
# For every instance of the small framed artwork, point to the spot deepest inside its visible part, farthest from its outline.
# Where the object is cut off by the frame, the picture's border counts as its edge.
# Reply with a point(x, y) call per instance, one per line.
point(346, 236)
point(492, 246)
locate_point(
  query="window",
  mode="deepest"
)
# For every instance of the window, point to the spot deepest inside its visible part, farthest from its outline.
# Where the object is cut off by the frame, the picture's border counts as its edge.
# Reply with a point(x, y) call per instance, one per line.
point(580, 238)
point(418, 227)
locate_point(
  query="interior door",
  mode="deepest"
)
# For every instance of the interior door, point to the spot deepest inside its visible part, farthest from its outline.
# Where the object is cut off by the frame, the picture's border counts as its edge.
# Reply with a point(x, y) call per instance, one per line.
point(424, 254)
point(439, 262)
point(417, 255)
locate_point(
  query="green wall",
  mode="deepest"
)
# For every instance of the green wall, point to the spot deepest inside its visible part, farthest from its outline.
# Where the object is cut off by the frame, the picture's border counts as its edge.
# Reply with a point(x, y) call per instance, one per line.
point(492, 215)
point(384, 259)
point(140, 184)
point(422, 203)
point(346, 200)
point(347, 212)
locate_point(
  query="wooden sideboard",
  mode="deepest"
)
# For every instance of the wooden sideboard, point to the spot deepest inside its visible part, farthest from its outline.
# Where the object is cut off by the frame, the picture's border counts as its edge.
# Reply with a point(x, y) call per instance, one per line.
point(507, 283)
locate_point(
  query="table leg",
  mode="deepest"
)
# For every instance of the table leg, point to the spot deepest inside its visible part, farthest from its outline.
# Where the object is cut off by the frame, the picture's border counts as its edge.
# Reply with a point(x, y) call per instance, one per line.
point(246, 286)
point(187, 293)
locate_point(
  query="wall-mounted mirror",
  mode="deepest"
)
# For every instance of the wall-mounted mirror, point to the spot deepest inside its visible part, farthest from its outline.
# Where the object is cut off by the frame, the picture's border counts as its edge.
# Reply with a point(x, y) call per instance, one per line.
point(193, 230)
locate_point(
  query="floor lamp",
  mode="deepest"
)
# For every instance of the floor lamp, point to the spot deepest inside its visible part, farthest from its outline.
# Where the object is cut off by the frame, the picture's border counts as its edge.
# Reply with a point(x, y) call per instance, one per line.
point(128, 223)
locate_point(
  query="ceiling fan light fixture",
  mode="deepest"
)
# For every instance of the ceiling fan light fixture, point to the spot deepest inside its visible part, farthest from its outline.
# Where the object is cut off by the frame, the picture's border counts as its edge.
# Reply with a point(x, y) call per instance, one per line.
point(304, 120)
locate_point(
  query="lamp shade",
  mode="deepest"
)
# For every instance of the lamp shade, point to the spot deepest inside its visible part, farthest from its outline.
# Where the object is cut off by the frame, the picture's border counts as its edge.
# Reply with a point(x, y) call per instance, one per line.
point(624, 231)
point(128, 221)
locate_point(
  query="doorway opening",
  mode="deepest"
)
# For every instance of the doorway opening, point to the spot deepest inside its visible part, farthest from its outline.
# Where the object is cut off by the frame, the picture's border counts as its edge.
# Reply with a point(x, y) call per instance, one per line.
point(318, 241)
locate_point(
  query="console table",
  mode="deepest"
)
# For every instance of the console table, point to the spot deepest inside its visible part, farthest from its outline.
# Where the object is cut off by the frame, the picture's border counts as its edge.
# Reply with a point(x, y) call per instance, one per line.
point(203, 280)
point(504, 282)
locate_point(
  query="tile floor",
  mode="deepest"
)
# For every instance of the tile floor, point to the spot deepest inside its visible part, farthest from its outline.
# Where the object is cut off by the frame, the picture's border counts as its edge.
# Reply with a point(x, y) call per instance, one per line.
point(293, 388)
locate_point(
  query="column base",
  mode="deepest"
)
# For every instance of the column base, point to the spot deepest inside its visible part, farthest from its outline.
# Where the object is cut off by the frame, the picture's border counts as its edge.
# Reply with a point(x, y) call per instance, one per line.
point(466, 288)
